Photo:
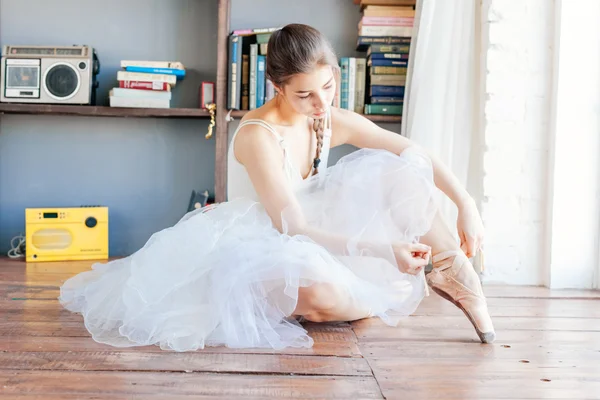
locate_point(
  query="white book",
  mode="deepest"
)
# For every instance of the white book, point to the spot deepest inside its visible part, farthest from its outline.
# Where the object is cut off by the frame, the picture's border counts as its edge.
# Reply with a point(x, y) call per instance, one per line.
point(137, 94)
point(373, 30)
point(138, 102)
point(352, 84)
point(252, 78)
point(144, 77)
point(152, 64)
point(361, 79)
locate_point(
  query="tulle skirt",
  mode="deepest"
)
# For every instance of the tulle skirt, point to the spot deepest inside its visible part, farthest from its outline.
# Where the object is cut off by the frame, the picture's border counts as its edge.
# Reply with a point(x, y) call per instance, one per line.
point(224, 275)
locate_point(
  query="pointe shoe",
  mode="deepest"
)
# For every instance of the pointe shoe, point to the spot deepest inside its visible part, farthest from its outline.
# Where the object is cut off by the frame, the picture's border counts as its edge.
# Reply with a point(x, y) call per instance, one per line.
point(454, 278)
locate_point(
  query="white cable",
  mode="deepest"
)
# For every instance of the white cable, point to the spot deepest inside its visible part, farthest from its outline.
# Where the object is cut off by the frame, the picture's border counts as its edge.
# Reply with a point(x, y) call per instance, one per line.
point(15, 249)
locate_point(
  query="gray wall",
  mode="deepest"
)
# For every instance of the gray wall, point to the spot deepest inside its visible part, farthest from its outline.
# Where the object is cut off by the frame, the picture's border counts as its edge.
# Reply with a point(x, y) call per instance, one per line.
point(142, 169)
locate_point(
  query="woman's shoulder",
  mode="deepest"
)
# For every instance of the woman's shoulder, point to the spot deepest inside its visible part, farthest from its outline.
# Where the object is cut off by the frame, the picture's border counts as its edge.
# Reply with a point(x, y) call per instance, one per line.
point(254, 139)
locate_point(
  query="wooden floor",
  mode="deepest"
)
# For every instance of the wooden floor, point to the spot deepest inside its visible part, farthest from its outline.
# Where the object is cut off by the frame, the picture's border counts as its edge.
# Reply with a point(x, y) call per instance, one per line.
point(548, 347)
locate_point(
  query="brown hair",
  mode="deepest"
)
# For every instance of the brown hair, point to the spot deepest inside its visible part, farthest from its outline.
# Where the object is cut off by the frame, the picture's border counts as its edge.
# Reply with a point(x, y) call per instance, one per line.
point(298, 49)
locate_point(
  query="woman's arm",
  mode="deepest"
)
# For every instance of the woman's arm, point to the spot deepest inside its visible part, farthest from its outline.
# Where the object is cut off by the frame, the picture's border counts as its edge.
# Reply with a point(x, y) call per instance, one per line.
point(261, 155)
point(351, 128)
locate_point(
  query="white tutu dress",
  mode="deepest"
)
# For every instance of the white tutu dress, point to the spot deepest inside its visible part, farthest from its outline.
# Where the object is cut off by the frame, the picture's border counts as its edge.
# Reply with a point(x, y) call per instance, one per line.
point(224, 275)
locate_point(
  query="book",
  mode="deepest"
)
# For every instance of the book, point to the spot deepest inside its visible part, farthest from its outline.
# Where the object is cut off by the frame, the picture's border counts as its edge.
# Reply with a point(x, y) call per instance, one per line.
point(145, 85)
point(383, 62)
point(142, 102)
point(363, 42)
point(388, 91)
point(144, 77)
point(152, 64)
point(386, 21)
point(388, 11)
point(386, 100)
point(361, 74)
point(179, 73)
point(388, 48)
point(260, 80)
point(388, 56)
point(400, 31)
point(379, 109)
point(138, 94)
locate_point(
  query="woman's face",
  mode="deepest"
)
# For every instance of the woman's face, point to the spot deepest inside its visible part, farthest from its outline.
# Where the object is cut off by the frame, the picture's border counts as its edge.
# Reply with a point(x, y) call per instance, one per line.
point(311, 94)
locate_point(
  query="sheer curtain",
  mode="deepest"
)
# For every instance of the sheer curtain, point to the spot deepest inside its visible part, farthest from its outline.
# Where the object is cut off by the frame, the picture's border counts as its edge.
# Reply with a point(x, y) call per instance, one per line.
point(441, 102)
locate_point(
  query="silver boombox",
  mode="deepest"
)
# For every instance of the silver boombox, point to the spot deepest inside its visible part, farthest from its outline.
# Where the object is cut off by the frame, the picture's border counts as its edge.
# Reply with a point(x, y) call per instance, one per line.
point(49, 74)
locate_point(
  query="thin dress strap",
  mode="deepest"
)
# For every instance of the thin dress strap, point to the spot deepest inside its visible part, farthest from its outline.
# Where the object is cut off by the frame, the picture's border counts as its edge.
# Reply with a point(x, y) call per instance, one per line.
point(264, 125)
point(289, 166)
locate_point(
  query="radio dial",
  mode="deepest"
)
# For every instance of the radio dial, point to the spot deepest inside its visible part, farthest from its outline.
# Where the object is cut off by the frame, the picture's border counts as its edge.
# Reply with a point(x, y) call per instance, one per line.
point(91, 222)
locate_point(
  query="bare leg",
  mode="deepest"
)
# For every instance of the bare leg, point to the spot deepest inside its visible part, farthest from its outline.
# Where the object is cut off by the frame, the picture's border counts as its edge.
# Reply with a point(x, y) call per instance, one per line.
point(323, 302)
point(439, 237)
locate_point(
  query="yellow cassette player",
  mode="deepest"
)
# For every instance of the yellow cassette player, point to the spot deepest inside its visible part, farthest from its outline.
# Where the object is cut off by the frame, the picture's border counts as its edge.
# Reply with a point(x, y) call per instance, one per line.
point(61, 234)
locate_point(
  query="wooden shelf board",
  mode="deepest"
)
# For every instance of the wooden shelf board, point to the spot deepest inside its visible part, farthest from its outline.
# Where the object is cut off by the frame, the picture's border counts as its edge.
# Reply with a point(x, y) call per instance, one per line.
point(374, 118)
point(102, 111)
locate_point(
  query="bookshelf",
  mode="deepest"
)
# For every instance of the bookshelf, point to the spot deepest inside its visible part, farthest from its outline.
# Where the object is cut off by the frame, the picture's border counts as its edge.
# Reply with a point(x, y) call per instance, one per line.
point(101, 111)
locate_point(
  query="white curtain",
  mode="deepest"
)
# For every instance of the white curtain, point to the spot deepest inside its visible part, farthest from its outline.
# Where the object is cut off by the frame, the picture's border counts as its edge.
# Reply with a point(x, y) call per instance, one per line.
point(441, 102)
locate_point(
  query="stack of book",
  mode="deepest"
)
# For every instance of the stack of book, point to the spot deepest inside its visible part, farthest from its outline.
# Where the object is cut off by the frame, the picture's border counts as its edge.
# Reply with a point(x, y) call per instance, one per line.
point(385, 32)
point(248, 87)
point(146, 84)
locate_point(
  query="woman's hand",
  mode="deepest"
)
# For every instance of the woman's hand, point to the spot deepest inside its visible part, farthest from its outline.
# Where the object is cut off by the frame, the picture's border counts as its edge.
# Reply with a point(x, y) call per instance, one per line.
point(412, 257)
point(470, 228)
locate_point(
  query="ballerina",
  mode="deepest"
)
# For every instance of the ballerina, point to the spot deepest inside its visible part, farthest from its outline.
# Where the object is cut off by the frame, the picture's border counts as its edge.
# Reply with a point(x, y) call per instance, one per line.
point(297, 239)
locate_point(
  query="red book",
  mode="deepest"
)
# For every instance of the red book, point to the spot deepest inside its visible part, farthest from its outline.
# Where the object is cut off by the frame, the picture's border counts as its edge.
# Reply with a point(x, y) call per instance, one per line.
point(144, 85)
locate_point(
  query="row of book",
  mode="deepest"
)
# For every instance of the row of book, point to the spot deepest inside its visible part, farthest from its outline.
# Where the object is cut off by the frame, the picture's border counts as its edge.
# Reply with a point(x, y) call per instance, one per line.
point(146, 84)
point(248, 86)
point(384, 33)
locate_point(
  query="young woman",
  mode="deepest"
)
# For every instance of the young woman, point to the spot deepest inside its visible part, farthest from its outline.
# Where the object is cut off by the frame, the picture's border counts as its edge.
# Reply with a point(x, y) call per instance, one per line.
point(297, 239)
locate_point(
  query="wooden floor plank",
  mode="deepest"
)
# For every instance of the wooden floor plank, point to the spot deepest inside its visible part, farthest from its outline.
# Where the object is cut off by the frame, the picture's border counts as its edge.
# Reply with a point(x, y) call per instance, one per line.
point(38, 310)
point(484, 379)
point(186, 362)
point(82, 344)
point(500, 323)
point(452, 319)
point(505, 291)
point(519, 351)
point(190, 384)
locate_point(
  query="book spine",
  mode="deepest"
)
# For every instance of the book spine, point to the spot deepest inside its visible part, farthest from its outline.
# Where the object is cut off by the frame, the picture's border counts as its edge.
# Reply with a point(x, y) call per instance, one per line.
point(180, 73)
point(260, 81)
point(379, 109)
point(152, 64)
point(144, 85)
point(389, 48)
point(388, 71)
point(391, 91)
point(386, 100)
point(388, 80)
point(245, 81)
point(232, 78)
point(345, 65)
point(388, 63)
point(403, 31)
point(389, 56)
point(351, 83)
point(253, 60)
point(387, 21)
point(361, 75)
point(138, 76)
